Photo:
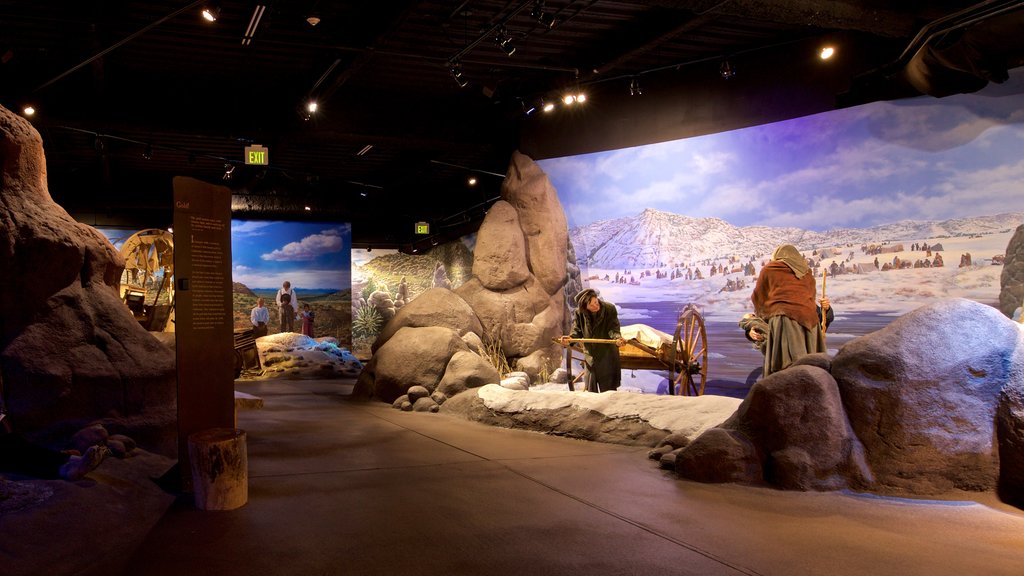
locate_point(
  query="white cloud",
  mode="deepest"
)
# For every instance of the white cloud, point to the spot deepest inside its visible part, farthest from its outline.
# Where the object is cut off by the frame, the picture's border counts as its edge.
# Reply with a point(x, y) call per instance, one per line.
point(308, 248)
point(241, 228)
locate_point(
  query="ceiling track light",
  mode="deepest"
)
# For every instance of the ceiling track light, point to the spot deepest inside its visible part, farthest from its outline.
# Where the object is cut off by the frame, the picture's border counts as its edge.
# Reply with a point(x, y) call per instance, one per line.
point(455, 69)
point(504, 40)
point(546, 19)
point(634, 87)
point(725, 70)
point(229, 171)
point(211, 11)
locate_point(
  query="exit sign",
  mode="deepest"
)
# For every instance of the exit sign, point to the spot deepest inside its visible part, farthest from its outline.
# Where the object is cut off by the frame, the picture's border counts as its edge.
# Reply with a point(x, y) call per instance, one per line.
point(423, 228)
point(257, 155)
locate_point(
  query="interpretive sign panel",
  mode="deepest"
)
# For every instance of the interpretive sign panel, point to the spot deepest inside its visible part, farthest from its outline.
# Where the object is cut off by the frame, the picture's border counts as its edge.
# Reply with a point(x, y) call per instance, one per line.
point(203, 322)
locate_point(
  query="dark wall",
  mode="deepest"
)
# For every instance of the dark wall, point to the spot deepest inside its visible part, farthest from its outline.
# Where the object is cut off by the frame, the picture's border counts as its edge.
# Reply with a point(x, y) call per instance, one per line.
point(761, 92)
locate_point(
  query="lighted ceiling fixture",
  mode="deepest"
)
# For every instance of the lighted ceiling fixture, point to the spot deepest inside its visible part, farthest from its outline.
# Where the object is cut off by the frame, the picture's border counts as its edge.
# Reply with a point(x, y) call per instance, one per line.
point(229, 171)
point(28, 110)
point(547, 106)
point(471, 181)
point(211, 11)
point(364, 150)
point(547, 19)
point(455, 69)
point(634, 87)
point(725, 70)
point(827, 52)
point(308, 208)
point(254, 23)
point(574, 98)
point(312, 106)
point(147, 152)
point(504, 40)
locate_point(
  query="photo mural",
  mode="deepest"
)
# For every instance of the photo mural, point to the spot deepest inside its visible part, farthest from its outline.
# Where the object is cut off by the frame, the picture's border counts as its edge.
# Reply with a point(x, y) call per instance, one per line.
point(385, 280)
point(903, 203)
point(315, 257)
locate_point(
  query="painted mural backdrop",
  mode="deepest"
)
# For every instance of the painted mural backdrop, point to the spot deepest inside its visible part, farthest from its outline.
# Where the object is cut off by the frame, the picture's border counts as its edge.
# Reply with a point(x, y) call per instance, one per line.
point(383, 281)
point(902, 202)
point(314, 256)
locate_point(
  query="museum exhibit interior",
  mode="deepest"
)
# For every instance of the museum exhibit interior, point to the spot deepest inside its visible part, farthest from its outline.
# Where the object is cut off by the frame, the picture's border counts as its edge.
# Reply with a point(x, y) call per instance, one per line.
point(494, 286)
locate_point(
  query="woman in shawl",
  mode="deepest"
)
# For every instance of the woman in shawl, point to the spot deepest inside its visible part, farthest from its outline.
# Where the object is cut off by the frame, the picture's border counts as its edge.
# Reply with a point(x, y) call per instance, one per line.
point(596, 319)
point(784, 298)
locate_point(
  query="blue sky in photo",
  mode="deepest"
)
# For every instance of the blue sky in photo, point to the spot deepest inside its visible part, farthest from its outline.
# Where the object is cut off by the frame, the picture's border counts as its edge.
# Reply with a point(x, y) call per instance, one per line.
point(310, 255)
point(919, 159)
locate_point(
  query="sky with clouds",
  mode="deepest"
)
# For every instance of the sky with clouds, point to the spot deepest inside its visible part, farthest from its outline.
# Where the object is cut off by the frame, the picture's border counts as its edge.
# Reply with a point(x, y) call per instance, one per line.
point(919, 159)
point(310, 255)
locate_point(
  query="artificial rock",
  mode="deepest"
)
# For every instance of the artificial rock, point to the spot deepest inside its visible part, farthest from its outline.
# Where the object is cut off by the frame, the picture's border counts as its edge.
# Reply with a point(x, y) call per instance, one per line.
point(499, 259)
point(921, 395)
point(70, 350)
point(1011, 280)
point(434, 307)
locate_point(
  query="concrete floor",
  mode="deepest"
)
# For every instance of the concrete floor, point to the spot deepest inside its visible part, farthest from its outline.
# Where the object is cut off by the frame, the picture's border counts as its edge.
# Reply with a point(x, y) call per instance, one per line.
point(343, 487)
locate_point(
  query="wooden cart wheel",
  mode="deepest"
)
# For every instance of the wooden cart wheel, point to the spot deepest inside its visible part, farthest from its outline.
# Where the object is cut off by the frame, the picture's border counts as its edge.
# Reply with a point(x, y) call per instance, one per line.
point(690, 351)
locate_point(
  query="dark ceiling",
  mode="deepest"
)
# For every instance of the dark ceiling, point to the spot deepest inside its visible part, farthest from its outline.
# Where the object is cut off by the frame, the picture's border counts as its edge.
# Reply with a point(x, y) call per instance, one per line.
point(131, 94)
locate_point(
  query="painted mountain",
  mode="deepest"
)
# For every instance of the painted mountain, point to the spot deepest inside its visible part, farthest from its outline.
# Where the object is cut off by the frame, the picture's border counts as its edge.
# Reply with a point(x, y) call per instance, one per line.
point(655, 238)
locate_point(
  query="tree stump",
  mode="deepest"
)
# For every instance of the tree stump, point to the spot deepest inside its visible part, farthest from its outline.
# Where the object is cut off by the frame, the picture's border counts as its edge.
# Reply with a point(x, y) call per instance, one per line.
point(220, 468)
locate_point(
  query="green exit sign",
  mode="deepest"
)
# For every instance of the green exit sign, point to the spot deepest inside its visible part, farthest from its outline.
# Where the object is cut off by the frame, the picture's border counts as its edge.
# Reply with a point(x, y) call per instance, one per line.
point(257, 155)
point(423, 228)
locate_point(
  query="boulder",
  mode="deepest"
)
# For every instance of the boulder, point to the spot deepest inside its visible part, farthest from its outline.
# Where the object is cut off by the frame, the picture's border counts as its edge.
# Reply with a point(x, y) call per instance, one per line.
point(499, 260)
point(527, 188)
point(921, 395)
point(72, 352)
point(1010, 431)
point(1011, 281)
point(720, 455)
point(795, 418)
point(434, 307)
point(792, 424)
point(466, 370)
point(412, 357)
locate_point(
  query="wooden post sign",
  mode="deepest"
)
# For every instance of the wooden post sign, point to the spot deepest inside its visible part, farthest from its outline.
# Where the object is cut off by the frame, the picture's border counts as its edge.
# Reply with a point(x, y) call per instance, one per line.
point(203, 312)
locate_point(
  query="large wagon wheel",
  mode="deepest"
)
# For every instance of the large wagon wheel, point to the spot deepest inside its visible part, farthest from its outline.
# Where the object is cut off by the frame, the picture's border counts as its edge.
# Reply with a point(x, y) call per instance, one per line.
point(690, 354)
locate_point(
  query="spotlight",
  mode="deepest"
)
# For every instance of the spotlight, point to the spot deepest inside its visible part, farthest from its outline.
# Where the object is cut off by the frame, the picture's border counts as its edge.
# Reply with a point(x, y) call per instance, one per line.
point(504, 41)
point(547, 19)
point(312, 106)
point(455, 69)
point(581, 98)
point(229, 170)
point(827, 52)
point(569, 99)
point(634, 87)
point(211, 11)
point(725, 70)
point(471, 181)
point(547, 106)
point(308, 208)
point(28, 110)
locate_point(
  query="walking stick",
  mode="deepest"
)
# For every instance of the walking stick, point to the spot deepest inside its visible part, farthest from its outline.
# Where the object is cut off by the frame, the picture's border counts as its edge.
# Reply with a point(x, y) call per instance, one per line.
point(824, 278)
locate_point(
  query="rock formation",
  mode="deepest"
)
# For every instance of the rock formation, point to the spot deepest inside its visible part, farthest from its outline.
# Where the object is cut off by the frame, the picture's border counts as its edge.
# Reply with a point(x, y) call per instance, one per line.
point(513, 305)
point(930, 403)
point(1011, 281)
point(70, 351)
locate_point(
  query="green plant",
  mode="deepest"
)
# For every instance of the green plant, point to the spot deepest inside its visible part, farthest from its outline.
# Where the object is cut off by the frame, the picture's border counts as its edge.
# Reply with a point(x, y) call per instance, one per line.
point(370, 288)
point(367, 322)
